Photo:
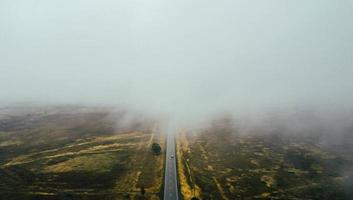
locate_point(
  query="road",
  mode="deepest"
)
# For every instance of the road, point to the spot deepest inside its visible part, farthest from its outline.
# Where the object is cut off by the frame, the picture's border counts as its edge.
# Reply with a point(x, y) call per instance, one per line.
point(171, 181)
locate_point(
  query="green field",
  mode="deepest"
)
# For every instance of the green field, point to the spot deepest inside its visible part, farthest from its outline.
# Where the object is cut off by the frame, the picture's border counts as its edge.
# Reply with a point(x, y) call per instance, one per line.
point(78, 153)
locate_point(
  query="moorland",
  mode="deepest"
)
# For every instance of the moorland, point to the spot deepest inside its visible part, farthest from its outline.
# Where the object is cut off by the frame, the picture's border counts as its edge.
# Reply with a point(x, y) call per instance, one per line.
point(221, 162)
point(78, 153)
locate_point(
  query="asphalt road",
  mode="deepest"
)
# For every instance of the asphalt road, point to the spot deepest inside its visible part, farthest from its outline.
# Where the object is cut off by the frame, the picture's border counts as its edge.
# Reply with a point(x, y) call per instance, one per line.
point(171, 181)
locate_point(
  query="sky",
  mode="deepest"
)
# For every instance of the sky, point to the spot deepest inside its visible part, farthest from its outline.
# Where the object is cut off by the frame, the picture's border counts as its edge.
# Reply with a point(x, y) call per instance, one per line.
point(178, 57)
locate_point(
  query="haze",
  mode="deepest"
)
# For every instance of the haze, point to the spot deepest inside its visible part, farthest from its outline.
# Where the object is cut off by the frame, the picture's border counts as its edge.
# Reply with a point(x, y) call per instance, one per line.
point(183, 58)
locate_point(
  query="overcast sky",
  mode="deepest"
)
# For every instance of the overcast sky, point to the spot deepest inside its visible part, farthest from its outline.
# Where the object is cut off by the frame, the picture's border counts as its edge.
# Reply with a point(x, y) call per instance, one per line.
point(186, 56)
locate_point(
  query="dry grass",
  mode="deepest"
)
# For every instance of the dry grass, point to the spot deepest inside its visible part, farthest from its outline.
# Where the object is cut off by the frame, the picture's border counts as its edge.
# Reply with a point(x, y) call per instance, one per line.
point(187, 190)
point(91, 163)
point(146, 170)
point(99, 154)
point(254, 167)
point(86, 155)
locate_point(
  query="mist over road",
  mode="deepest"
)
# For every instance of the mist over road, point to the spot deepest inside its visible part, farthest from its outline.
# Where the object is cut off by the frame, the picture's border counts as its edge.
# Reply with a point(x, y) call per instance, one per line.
point(171, 181)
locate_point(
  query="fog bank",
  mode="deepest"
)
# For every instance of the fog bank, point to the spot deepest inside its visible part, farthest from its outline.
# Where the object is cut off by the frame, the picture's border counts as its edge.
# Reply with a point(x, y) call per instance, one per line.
point(184, 59)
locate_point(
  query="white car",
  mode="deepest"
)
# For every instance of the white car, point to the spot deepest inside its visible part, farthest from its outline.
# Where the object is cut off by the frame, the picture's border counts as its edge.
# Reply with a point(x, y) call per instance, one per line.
point(172, 156)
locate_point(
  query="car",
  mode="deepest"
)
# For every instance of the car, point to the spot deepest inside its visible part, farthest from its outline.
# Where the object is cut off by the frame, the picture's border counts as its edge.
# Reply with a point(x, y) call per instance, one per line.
point(172, 156)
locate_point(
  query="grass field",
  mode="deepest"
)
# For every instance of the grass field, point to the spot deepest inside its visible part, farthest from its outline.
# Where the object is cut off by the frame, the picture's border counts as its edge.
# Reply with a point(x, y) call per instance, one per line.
point(219, 163)
point(78, 154)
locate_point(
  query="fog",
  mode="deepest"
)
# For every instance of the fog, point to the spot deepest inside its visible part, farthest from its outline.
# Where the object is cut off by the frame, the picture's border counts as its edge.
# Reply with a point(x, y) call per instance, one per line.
point(183, 59)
